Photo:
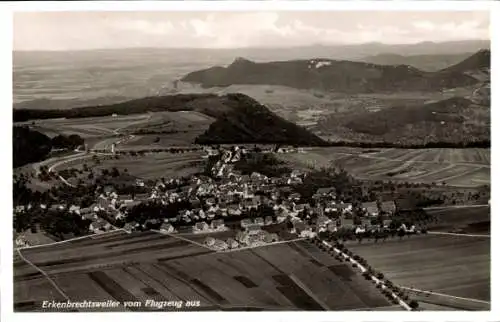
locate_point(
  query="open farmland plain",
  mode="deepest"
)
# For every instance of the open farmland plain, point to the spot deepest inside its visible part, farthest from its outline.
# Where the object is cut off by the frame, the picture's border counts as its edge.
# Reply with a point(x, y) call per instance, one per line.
point(450, 264)
point(455, 167)
point(140, 266)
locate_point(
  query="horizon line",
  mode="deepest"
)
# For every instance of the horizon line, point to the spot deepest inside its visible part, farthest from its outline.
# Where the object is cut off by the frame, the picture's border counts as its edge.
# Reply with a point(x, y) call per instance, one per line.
point(255, 47)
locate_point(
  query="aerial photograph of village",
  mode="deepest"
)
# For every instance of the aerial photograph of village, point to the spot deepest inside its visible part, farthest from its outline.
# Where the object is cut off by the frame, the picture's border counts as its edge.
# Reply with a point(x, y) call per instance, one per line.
point(251, 161)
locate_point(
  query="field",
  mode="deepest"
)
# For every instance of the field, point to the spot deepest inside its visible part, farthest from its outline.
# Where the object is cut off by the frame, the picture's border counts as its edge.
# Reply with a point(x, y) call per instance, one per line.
point(473, 220)
point(140, 266)
point(453, 265)
point(151, 166)
point(455, 167)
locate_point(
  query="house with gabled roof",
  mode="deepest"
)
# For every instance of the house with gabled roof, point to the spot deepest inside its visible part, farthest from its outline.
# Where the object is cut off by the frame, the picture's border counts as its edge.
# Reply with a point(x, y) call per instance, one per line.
point(201, 227)
point(268, 220)
point(167, 228)
point(232, 243)
point(259, 221)
point(209, 241)
point(218, 224)
point(246, 222)
point(388, 207)
point(371, 208)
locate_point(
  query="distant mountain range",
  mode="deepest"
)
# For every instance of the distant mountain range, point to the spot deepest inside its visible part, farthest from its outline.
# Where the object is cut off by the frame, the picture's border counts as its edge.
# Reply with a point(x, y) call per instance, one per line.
point(238, 118)
point(339, 75)
point(345, 52)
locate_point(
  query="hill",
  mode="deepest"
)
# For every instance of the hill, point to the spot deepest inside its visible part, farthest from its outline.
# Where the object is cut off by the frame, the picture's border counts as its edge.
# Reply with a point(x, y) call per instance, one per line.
point(29, 146)
point(479, 61)
point(237, 118)
point(454, 121)
point(430, 63)
point(330, 75)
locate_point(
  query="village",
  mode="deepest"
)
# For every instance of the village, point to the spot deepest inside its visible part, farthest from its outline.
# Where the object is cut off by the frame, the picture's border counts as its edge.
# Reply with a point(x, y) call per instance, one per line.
point(249, 207)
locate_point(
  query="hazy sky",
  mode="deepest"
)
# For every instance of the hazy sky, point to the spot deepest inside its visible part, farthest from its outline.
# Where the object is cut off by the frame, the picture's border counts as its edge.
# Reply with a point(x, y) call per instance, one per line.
point(92, 30)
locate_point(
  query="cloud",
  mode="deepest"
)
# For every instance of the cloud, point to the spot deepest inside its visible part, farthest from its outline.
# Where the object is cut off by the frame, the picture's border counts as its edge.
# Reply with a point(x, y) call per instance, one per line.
point(424, 25)
point(88, 30)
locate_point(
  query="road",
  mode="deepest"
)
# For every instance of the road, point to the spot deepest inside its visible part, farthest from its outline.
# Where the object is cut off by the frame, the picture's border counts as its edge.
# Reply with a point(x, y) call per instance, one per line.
point(444, 295)
point(457, 207)
point(44, 274)
point(457, 234)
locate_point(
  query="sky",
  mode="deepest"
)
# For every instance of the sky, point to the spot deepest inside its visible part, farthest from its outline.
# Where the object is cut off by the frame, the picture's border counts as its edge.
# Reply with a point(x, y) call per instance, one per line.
point(96, 30)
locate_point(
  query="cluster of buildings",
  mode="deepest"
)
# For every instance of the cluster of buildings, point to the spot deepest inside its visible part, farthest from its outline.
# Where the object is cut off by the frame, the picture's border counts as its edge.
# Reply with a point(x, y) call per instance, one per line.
point(234, 194)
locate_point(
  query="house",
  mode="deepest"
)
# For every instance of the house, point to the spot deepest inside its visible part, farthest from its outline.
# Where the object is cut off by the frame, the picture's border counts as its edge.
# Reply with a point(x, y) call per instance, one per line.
point(301, 207)
point(241, 237)
point(331, 227)
point(268, 220)
point(220, 245)
point(360, 230)
point(99, 226)
point(233, 210)
point(388, 207)
point(218, 224)
point(259, 221)
point(245, 223)
point(200, 227)
point(294, 196)
point(296, 174)
point(325, 193)
point(371, 208)
point(344, 207)
point(366, 222)
point(346, 223)
point(253, 229)
point(209, 241)
point(167, 228)
point(232, 243)
point(210, 201)
point(107, 190)
point(271, 238)
point(74, 209)
point(281, 214)
point(386, 223)
point(130, 226)
point(322, 221)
